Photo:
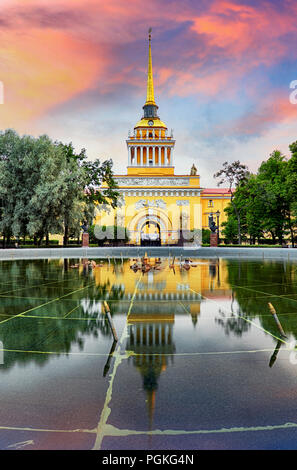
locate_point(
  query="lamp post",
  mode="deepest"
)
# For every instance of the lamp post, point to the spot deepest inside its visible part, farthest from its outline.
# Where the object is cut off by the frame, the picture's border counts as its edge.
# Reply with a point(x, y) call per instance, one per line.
point(218, 224)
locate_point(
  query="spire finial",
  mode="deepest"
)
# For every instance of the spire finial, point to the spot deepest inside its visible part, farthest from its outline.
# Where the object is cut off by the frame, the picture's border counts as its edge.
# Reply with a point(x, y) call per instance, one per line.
point(150, 85)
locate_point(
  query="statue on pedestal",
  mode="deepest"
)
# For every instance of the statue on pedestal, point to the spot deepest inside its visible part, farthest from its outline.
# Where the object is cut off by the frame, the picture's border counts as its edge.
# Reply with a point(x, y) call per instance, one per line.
point(193, 170)
point(85, 226)
point(212, 224)
point(214, 235)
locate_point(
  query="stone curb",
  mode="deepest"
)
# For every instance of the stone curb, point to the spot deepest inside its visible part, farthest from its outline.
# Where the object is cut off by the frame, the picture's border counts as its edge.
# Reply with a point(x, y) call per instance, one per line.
point(128, 252)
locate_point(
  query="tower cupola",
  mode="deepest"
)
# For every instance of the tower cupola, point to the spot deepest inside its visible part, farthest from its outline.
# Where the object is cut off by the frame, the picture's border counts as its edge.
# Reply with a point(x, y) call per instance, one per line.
point(150, 148)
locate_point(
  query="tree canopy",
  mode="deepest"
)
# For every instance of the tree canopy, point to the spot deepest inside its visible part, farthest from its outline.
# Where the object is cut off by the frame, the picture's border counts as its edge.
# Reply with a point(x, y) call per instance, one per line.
point(264, 204)
point(47, 187)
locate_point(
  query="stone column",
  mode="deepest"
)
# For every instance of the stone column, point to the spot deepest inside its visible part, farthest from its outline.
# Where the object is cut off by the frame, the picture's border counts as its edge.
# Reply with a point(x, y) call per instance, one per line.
point(141, 155)
point(153, 155)
point(129, 155)
point(134, 155)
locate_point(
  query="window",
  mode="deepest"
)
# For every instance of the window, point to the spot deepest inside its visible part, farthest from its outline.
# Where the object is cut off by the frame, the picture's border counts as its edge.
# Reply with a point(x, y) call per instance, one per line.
point(210, 203)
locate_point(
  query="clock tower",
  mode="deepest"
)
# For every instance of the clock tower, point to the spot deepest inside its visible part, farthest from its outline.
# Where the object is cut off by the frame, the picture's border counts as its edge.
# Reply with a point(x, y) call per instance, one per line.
point(150, 148)
point(159, 207)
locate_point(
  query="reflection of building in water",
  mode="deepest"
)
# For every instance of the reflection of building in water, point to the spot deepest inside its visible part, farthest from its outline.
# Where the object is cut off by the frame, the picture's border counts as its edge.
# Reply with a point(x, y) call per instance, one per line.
point(171, 285)
point(151, 342)
point(159, 297)
point(155, 332)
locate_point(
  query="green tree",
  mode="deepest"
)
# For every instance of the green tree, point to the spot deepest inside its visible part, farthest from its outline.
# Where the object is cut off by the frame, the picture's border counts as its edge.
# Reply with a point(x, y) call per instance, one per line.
point(263, 203)
point(230, 229)
point(247, 198)
point(10, 145)
point(291, 190)
point(271, 177)
point(29, 185)
point(82, 195)
point(234, 174)
point(47, 195)
point(46, 187)
point(205, 236)
point(254, 209)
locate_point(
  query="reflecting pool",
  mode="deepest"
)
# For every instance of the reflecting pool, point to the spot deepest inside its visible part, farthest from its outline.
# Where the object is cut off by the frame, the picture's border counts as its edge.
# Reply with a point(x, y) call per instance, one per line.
point(200, 361)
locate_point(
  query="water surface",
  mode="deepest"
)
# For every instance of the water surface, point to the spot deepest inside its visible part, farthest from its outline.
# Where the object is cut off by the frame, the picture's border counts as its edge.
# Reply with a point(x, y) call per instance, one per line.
point(200, 362)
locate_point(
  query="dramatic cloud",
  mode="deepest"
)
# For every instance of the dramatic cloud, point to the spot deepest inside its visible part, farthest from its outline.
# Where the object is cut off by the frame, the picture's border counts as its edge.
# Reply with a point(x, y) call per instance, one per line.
point(38, 74)
point(273, 110)
point(221, 64)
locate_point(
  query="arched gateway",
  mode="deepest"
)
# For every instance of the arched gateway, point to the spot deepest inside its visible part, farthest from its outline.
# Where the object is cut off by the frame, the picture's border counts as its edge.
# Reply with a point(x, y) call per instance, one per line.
point(150, 227)
point(150, 234)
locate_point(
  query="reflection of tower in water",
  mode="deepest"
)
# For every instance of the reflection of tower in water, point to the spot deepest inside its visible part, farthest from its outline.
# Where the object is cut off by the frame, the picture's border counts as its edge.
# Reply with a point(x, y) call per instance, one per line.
point(152, 345)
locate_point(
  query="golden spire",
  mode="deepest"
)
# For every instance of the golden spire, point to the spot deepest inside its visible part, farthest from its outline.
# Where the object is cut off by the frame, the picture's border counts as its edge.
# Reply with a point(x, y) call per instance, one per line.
point(150, 84)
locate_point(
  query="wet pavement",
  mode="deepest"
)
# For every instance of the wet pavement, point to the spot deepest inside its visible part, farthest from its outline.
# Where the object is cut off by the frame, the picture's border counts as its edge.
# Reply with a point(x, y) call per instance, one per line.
point(200, 362)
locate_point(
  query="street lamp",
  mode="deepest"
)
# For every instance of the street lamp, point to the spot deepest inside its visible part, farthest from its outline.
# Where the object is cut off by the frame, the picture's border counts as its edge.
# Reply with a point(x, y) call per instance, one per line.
point(218, 224)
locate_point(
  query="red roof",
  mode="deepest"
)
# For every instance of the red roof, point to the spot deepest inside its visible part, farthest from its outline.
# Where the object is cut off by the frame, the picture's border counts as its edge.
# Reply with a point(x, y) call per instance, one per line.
point(217, 191)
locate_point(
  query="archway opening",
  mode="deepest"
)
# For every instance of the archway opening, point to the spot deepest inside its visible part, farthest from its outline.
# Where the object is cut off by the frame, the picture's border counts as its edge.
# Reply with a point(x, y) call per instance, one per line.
point(150, 234)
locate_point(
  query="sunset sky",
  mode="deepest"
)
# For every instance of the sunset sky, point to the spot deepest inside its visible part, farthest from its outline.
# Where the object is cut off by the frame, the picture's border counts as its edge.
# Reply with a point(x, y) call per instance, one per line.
point(76, 70)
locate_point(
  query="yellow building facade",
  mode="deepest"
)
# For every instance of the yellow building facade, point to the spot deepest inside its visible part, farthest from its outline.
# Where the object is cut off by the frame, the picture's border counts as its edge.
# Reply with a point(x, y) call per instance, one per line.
point(157, 205)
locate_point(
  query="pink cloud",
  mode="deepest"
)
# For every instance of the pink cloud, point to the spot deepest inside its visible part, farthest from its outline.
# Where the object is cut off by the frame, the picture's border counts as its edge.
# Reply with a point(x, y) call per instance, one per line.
point(53, 51)
point(185, 83)
point(42, 69)
point(249, 34)
point(273, 110)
